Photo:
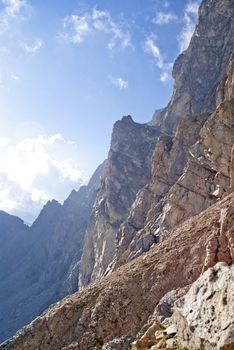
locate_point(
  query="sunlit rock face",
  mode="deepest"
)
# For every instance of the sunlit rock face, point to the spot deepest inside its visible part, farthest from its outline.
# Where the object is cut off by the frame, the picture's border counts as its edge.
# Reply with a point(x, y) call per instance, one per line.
point(156, 177)
point(128, 170)
point(199, 70)
point(40, 264)
point(121, 303)
point(191, 159)
point(190, 169)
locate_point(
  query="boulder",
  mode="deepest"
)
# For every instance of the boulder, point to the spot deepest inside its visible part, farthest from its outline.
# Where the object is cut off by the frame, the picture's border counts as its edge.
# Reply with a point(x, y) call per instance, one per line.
point(204, 316)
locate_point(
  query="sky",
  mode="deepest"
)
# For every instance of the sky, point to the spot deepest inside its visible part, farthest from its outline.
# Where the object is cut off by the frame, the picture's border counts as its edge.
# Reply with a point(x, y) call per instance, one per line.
point(68, 70)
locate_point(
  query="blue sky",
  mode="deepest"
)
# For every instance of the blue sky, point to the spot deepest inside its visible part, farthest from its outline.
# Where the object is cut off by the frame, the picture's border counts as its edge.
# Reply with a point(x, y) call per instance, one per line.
point(68, 70)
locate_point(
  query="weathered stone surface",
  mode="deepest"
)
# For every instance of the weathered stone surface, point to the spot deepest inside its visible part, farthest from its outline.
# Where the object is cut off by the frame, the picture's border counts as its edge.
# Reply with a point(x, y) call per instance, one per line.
point(122, 343)
point(168, 161)
point(199, 70)
point(128, 170)
point(232, 171)
point(122, 302)
point(220, 246)
point(164, 308)
point(204, 317)
point(187, 179)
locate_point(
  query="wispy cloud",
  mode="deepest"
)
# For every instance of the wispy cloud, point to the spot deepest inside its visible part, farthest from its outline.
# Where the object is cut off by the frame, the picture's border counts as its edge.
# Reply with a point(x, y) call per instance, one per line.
point(119, 82)
point(165, 18)
point(14, 7)
point(34, 47)
point(190, 20)
point(151, 47)
point(35, 170)
point(12, 10)
point(103, 21)
point(77, 27)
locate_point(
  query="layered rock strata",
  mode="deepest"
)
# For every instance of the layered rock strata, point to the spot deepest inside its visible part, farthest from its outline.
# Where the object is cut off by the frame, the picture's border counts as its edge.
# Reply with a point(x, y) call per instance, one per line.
point(120, 304)
point(128, 170)
point(190, 165)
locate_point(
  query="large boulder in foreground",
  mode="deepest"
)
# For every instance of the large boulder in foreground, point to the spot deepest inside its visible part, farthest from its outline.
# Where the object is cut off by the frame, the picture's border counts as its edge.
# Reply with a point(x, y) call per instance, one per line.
point(205, 315)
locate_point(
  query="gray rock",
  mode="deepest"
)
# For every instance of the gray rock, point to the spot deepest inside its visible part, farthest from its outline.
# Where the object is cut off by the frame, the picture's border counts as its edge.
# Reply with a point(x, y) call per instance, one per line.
point(122, 343)
point(204, 317)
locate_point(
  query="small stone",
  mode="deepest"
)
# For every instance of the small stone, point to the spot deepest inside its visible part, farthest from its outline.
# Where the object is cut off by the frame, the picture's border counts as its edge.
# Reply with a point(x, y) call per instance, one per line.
point(159, 335)
point(161, 344)
point(171, 330)
point(170, 343)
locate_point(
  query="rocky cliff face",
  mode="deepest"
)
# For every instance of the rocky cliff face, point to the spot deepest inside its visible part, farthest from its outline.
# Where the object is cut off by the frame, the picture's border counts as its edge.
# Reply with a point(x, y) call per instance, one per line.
point(120, 304)
point(40, 264)
point(190, 173)
point(161, 217)
point(191, 159)
point(128, 170)
point(199, 70)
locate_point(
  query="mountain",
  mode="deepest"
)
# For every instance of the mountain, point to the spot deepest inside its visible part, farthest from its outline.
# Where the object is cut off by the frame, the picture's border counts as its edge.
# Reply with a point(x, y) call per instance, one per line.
point(189, 169)
point(40, 264)
point(121, 303)
point(128, 170)
point(158, 223)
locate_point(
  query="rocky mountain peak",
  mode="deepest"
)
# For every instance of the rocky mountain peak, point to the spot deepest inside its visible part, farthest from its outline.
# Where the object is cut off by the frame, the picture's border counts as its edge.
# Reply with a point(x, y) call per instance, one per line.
point(199, 69)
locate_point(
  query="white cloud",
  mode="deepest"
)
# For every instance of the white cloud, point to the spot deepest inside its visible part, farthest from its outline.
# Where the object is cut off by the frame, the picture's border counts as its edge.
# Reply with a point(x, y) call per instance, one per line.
point(103, 21)
point(164, 77)
point(33, 48)
point(166, 4)
point(190, 20)
point(77, 28)
point(35, 170)
point(14, 7)
point(119, 82)
point(165, 18)
point(12, 10)
point(151, 47)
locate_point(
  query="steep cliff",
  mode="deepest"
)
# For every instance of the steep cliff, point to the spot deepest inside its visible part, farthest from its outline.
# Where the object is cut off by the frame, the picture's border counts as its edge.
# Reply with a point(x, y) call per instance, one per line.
point(190, 173)
point(121, 303)
point(199, 70)
point(161, 217)
point(128, 170)
point(190, 163)
point(40, 264)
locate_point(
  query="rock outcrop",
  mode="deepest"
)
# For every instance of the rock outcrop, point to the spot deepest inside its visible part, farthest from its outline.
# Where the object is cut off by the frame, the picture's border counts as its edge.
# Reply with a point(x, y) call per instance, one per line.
point(160, 216)
point(190, 165)
point(204, 317)
point(120, 304)
point(40, 264)
point(190, 171)
point(128, 170)
point(199, 70)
